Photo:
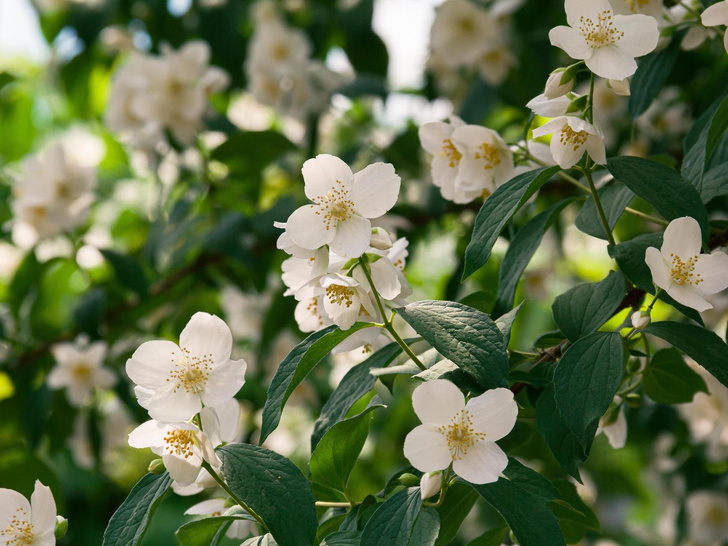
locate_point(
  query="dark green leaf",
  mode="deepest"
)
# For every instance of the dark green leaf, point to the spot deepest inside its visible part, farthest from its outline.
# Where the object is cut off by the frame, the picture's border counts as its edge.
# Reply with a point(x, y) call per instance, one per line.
point(130, 521)
point(464, 335)
point(614, 199)
point(343, 538)
point(275, 489)
point(426, 529)
point(494, 537)
point(365, 85)
point(662, 187)
point(128, 271)
point(668, 380)
point(497, 210)
point(568, 492)
point(25, 281)
point(584, 309)
point(295, 367)
point(585, 381)
point(89, 312)
point(355, 384)
point(505, 323)
point(651, 75)
point(705, 135)
point(458, 503)
point(393, 520)
point(203, 531)
point(531, 481)
point(265, 540)
point(715, 182)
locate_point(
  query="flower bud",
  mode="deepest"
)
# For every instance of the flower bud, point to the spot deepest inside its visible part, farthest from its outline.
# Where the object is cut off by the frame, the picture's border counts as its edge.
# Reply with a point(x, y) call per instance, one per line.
point(61, 527)
point(633, 400)
point(156, 466)
point(640, 320)
point(430, 484)
point(555, 87)
point(381, 239)
point(409, 480)
point(619, 87)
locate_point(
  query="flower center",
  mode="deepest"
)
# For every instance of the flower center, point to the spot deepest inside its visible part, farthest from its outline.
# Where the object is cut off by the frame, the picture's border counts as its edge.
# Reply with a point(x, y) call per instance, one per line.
point(460, 435)
point(574, 138)
point(683, 272)
point(336, 206)
point(489, 154)
point(716, 517)
point(20, 531)
point(466, 25)
point(191, 373)
point(82, 372)
point(635, 6)
point(451, 153)
point(280, 52)
point(340, 295)
point(601, 32)
point(180, 442)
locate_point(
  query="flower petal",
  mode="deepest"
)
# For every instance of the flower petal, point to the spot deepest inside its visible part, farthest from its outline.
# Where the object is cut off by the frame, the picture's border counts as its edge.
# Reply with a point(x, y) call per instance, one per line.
point(206, 508)
point(183, 471)
point(151, 363)
point(433, 134)
point(494, 413)
point(595, 147)
point(352, 237)
point(481, 463)
point(682, 238)
point(612, 63)
point(426, 449)
point(104, 378)
point(713, 272)
point(10, 502)
point(386, 279)
point(571, 41)
point(576, 9)
point(660, 270)
point(96, 353)
point(616, 432)
point(322, 173)
point(228, 414)
point(640, 34)
point(715, 15)
point(207, 336)
point(224, 382)
point(688, 295)
point(307, 228)
point(169, 406)
point(148, 434)
point(43, 508)
point(437, 402)
point(375, 190)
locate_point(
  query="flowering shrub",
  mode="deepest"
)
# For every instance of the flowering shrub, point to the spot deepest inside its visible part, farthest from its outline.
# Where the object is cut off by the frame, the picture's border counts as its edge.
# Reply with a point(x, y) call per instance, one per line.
point(246, 299)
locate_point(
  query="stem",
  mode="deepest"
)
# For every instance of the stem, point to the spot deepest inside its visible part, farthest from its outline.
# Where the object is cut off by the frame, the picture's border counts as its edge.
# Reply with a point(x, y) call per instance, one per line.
point(646, 216)
point(654, 300)
point(590, 108)
point(598, 203)
point(240, 502)
point(325, 504)
point(689, 9)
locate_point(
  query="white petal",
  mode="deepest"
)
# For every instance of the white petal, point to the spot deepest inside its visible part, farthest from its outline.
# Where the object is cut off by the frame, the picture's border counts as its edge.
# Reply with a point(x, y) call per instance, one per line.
point(43, 508)
point(183, 471)
point(433, 134)
point(96, 353)
point(682, 238)
point(322, 173)
point(211, 425)
point(426, 449)
point(171, 407)
point(10, 502)
point(494, 413)
point(689, 296)
point(148, 434)
point(571, 41)
point(59, 377)
point(224, 382)
point(437, 402)
point(228, 415)
point(104, 378)
point(375, 190)
point(640, 34)
point(576, 9)
point(386, 279)
point(595, 147)
point(660, 270)
point(481, 463)
point(713, 272)
point(151, 363)
point(565, 154)
point(207, 336)
point(551, 127)
point(343, 310)
point(715, 15)
point(308, 229)
point(352, 237)
point(206, 507)
point(612, 63)
point(616, 432)
point(78, 394)
point(144, 396)
point(549, 108)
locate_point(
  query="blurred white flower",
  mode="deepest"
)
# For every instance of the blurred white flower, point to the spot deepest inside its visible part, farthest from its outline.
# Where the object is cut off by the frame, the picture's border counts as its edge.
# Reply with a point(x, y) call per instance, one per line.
point(653, 8)
point(79, 369)
point(571, 138)
point(707, 513)
point(460, 32)
point(239, 529)
point(607, 43)
point(614, 426)
point(460, 434)
point(23, 522)
point(173, 382)
point(682, 271)
point(244, 311)
point(717, 15)
point(668, 117)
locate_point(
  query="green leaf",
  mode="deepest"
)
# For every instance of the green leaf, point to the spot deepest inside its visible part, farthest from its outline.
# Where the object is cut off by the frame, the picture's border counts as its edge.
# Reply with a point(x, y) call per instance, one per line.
point(531, 481)
point(614, 199)
point(458, 503)
point(295, 367)
point(651, 75)
point(335, 455)
point(519, 254)
point(584, 309)
point(497, 210)
point(343, 538)
point(265, 540)
point(365, 85)
point(355, 384)
point(668, 380)
point(203, 531)
point(702, 345)
point(392, 522)
point(89, 312)
point(706, 132)
point(568, 492)
point(246, 154)
point(26, 281)
point(561, 440)
point(574, 516)
point(505, 323)
point(130, 521)
point(464, 335)
point(494, 537)
point(528, 517)
point(662, 187)
point(426, 528)
point(275, 489)
point(128, 271)
point(714, 182)
point(585, 381)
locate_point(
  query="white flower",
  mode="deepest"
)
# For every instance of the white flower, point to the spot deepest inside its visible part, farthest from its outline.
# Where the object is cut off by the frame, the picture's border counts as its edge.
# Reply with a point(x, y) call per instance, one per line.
point(460, 32)
point(436, 139)
point(614, 427)
point(430, 484)
point(554, 88)
point(640, 320)
point(571, 138)
point(344, 203)
point(174, 381)
point(459, 433)
point(345, 300)
point(496, 62)
point(182, 446)
point(26, 523)
point(79, 369)
point(717, 15)
point(707, 513)
point(244, 312)
point(681, 271)
point(545, 107)
point(217, 507)
point(607, 43)
point(310, 315)
point(653, 8)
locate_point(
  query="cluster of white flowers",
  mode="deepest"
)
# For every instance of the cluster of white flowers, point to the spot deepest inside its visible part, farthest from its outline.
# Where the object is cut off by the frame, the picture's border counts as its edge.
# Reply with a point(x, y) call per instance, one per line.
point(152, 94)
point(467, 36)
point(23, 522)
point(327, 239)
point(52, 195)
point(280, 70)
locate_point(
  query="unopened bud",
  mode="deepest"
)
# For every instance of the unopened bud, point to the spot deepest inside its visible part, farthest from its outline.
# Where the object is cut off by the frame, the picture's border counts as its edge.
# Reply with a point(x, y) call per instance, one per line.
point(619, 87)
point(430, 484)
point(633, 400)
point(640, 320)
point(409, 480)
point(381, 239)
point(156, 466)
point(555, 87)
point(61, 527)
